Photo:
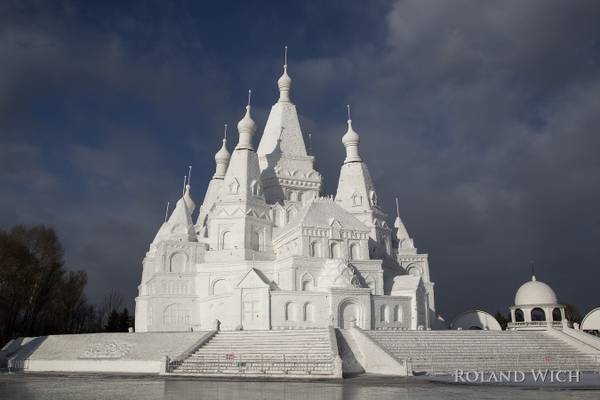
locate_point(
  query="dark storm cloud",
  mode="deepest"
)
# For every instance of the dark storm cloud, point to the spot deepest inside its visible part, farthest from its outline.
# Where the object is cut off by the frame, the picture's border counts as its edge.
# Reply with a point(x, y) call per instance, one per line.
point(480, 116)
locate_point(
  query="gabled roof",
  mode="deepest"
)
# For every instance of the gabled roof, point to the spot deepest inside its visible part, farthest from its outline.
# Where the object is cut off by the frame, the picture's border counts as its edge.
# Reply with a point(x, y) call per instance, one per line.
point(323, 212)
point(252, 279)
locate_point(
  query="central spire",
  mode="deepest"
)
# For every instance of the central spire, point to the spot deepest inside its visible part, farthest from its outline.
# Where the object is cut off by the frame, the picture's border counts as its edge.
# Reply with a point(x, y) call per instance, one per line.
point(350, 141)
point(284, 82)
point(246, 128)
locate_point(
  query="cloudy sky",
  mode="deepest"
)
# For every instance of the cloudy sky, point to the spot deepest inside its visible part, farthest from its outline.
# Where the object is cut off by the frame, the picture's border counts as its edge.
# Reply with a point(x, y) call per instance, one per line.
point(482, 117)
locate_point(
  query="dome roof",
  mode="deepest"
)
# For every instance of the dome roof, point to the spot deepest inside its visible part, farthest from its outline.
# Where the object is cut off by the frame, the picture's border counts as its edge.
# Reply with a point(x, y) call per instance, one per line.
point(246, 128)
point(535, 292)
point(223, 154)
point(350, 137)
point(285, 84)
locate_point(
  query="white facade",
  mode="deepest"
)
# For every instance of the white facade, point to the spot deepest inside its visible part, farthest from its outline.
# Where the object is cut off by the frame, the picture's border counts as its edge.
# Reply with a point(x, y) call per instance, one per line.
point(268, 251)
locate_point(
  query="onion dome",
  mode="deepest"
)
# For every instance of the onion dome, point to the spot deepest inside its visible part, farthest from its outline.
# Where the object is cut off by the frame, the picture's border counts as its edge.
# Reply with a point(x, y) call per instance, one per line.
point(285, 84)
point(350, 141)
point(535, 292)
point(222, 158)
point(222, 155)
point(246, 128)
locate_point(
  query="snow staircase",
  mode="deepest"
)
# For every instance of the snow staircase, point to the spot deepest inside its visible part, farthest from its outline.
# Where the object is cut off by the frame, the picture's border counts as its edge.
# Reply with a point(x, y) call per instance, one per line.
point(448, 351)
point(298, 353)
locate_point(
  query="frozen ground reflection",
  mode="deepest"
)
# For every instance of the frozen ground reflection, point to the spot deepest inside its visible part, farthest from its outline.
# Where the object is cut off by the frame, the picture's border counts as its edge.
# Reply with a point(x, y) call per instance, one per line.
point(26, 387)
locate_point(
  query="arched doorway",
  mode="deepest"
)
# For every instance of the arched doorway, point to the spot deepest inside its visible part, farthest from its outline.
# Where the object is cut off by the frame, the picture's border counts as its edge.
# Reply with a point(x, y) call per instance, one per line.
point(349, 312)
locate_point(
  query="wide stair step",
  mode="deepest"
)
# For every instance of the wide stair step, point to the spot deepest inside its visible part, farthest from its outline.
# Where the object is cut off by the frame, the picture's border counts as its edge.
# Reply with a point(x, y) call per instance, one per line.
point(448, 351)
point(306, 352)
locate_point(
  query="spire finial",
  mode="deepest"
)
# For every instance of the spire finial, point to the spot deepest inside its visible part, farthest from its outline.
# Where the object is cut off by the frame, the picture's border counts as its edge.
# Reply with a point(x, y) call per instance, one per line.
point(189, 177)
point(167, 211)
point(397, 208)
point(285, 57)
point(348, 108)
point(532, 270)
point(225, 132)
point(249, 96)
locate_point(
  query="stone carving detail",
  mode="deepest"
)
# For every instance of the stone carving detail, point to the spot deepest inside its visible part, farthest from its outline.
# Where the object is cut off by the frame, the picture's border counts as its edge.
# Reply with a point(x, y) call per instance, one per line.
point(111, 350)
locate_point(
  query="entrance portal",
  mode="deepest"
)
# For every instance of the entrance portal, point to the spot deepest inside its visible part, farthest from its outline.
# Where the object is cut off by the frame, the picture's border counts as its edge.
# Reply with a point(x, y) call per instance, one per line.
point(349, 313)
point(251, 312)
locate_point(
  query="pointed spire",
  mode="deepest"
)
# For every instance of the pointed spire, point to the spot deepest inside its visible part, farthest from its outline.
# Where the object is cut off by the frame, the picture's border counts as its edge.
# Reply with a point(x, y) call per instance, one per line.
point(350, 141)
point(246, 128)
point(187, 198)
point(404, 240)
point(167, 211)
point(284, 82)
point(222, 158)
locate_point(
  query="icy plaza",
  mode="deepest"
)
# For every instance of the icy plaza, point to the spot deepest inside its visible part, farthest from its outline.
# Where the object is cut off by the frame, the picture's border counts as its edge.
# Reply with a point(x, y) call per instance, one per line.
point(270, 278)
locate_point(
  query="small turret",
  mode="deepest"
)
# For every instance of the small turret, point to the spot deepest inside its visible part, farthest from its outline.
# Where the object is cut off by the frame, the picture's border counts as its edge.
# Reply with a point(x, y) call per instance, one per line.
point(284, 82)
point(222, 158)
point(246, 128)
point(405, 242)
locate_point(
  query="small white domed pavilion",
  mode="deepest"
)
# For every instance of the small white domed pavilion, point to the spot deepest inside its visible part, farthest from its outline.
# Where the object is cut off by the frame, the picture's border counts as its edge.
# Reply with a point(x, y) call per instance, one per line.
point(536, 307)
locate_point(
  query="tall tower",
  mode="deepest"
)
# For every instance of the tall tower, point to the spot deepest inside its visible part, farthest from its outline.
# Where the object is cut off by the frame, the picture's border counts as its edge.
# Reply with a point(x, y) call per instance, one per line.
point(288, 172)
point(239, 224)
point(356, 193)
point(214, 186)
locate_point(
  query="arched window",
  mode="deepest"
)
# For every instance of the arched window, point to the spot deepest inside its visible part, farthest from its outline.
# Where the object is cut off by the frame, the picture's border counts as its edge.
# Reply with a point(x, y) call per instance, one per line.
point(334, 250)
point(354, 251)
point(537, 314)
point(290, 311)
point(220, 286)
point(307, 283)
point(178, 262)
point(315, 249)
point(300, 195)
point(309, 312)
point(519, 315)
point(226, 241)
point(556, 314)
point(397, 313)
point(291, 213)
point(255, 245)
point(384, 313)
